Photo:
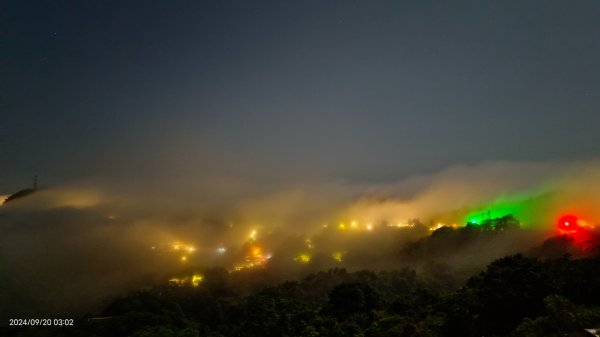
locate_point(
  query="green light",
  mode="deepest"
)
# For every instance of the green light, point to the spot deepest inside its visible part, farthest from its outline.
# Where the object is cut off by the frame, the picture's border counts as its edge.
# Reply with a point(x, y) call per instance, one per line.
point(527, 210)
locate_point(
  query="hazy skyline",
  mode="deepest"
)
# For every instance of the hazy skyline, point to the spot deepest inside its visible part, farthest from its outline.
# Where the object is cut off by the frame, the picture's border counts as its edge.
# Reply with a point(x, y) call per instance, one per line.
point(291, 91)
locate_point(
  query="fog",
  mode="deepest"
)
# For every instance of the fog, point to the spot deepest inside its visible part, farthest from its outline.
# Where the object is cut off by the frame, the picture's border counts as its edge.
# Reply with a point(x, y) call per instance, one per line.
point(71, 248)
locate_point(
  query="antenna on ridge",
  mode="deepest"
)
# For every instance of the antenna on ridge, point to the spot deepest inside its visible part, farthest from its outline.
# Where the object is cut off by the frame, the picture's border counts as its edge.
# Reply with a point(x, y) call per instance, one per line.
point(35, 182)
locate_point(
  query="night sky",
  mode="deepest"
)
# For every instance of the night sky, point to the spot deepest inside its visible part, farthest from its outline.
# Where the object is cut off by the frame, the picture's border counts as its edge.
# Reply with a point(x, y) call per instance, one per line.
point(292, 90)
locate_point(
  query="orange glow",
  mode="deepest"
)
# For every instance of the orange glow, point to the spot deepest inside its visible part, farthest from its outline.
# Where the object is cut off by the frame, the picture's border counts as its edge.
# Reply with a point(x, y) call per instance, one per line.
point(254, 258)
point(436, 227)
point(256, 251)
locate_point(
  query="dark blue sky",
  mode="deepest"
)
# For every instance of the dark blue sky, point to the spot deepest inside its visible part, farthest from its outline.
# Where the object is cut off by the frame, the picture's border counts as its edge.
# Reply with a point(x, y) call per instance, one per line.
point(292, 91)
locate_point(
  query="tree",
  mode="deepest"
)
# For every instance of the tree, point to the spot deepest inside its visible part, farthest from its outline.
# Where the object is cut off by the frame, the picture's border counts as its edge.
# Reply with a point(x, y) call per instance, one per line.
point(143, 310)
point(508, 290)
point(347, 299)
point(562, 317)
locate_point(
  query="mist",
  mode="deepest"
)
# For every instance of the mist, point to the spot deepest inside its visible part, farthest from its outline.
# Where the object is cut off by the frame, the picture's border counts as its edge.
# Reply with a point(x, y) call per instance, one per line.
point(72, 248)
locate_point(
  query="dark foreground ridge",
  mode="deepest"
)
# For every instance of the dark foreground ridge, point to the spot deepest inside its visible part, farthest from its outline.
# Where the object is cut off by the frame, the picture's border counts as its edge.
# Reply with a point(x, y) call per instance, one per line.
point(514, 296)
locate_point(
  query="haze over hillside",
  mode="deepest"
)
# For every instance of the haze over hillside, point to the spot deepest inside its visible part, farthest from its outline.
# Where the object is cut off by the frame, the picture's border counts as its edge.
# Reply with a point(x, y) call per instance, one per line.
point(97, 241)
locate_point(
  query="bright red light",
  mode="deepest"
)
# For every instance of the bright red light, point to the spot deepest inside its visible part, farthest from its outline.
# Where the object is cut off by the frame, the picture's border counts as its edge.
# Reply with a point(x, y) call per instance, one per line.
point(568, 223)
point(581, 231)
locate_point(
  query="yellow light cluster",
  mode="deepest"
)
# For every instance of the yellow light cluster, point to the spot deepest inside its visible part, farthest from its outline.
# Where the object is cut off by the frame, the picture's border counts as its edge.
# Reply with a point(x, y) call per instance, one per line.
point(197, 279)
point(338, 256)
point(175, 281)
point(402, 225)
point(440, 225)
point(179, 246)
point(193, 280)
point(184, 248)
point(355, 226)
point(303, 258)
point(436, 227)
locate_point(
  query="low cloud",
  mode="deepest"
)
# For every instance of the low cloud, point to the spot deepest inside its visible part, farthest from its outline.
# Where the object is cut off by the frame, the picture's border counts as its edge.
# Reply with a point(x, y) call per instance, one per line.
point(67, 248)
